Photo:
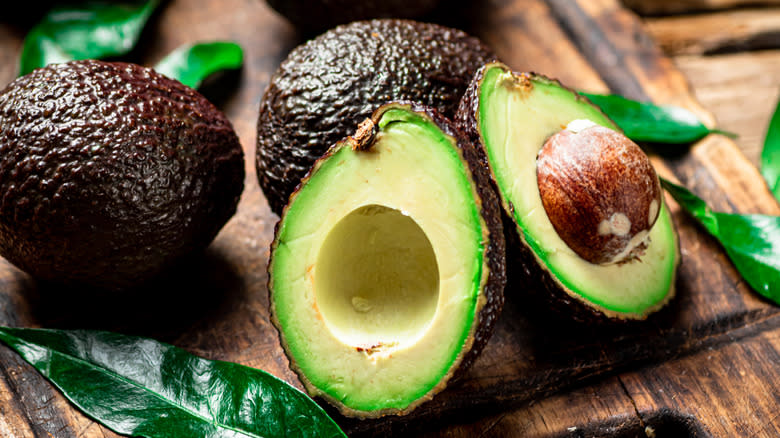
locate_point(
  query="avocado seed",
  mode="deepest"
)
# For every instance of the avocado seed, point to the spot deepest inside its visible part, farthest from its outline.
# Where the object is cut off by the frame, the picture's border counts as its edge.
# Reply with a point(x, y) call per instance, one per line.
point(599, 191)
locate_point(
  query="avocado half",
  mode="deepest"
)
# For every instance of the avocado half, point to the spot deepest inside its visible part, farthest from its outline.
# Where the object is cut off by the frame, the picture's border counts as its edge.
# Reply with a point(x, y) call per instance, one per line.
point(317, 15)
point(511, 116)
point(386, 272)
point(110, 173)
point(330, 84)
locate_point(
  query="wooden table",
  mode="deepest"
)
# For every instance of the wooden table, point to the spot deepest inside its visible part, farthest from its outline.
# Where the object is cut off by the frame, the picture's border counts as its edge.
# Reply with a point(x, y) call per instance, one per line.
point(708, 365)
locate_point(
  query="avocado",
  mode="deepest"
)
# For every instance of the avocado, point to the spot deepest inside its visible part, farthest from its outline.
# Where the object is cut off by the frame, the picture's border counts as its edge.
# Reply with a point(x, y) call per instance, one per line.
point(318, 15)
point(511, 117)
point(386, 272)
point(330, 84)
point(110, 172)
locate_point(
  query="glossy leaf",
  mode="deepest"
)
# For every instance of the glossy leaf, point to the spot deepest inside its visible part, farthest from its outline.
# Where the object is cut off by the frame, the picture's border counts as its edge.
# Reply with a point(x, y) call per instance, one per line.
point(770, 155)
point(91, 30)
point(142, 387)
point(643, 121)
point(752, 241)
point(192, 64)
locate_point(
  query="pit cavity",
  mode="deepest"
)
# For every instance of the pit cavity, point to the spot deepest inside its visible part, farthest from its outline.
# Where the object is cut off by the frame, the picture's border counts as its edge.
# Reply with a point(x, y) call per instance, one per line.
point(376, 281)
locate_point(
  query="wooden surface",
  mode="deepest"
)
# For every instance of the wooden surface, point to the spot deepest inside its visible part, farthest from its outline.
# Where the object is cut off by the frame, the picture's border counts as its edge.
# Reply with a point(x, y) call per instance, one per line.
point(726, 31)
point(733, 60)
point(687, 6)
point(707, 365)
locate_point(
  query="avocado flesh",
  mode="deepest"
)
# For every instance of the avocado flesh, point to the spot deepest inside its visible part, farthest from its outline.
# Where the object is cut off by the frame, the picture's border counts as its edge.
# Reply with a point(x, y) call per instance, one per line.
point(402, 217)
point(516, 118)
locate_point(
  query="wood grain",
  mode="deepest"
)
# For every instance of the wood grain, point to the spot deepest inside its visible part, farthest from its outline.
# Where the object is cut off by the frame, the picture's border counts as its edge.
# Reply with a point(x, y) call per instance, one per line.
point(747, 81)
point(725, 31)
point(539, 375)
point(687, 6)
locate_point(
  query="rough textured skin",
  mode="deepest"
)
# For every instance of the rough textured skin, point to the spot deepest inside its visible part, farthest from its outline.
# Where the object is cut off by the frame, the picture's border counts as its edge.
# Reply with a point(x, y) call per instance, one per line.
point(330, 84)
point(318, 15)
point(526, 273)
point(600, 192)
point(494, 262)
point(110, 172)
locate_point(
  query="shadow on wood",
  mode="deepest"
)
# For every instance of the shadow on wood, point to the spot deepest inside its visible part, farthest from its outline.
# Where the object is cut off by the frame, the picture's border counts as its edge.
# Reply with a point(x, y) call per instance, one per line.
point(196, 289)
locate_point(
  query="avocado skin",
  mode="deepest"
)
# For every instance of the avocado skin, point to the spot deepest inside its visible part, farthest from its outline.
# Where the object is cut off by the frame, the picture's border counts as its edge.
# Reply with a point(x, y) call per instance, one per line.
point(110, 172)
point(491, 212)
point(327, 86)
point(527, 272)
point(318, 15)
point(495, 253)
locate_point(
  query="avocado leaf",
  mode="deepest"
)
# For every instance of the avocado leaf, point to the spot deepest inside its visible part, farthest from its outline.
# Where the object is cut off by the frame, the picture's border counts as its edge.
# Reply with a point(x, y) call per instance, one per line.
point(770, 155)
point(141, 387)
point(92, 30)
point(752, 241)
point(191, 64)
point(644, 121)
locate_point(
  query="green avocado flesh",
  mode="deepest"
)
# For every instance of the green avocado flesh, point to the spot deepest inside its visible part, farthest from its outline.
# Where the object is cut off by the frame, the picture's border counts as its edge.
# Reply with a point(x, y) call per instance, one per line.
point(516, 116)
point(377, 268)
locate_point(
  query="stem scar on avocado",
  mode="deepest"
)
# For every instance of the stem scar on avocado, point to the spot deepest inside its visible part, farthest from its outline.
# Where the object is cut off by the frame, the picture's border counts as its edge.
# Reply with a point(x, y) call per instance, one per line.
point(584, 202)
point(386, 272)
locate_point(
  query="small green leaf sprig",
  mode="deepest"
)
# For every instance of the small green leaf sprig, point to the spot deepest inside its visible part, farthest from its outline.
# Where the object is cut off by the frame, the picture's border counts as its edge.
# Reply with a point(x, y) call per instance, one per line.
point(140, 387)
point(770, 154)
point(647, 122)
point(90, 31)
point(752, 241)
point(102, 29)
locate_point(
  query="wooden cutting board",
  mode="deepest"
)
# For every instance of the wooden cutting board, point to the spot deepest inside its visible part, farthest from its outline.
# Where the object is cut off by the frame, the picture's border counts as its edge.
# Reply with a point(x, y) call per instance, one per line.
point(706, 365)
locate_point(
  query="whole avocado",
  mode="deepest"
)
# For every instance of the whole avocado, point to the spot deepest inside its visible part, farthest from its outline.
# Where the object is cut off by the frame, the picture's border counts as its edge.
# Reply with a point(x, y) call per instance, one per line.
point(111, 172)
point(328, 85)
point(318, 15)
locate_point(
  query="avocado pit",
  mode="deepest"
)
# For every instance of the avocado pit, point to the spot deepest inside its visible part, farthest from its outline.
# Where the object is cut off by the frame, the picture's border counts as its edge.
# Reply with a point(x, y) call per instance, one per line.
point(376, 281)
point(600, 192)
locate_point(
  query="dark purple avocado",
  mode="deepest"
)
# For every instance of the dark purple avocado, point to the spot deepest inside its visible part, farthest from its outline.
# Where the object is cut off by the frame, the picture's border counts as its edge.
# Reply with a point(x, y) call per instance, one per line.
point(330, 84)
point(111, 172)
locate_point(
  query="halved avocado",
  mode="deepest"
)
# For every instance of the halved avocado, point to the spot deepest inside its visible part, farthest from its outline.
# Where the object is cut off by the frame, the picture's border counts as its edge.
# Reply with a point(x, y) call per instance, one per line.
point(386, 273)
point(511, 116)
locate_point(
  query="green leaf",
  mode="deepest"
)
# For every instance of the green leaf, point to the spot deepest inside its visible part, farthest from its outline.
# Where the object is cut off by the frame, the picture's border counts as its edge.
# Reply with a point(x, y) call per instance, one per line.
point(752, 241)
point(770, 155)
point(192, 64)
point(643, 121)
point(91, 30)
point(142, 387)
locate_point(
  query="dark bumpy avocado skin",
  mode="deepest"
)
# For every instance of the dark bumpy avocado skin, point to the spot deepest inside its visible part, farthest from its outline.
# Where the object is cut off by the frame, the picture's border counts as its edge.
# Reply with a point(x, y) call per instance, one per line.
point(318, 15)
point(110, 172)
point(327, 86)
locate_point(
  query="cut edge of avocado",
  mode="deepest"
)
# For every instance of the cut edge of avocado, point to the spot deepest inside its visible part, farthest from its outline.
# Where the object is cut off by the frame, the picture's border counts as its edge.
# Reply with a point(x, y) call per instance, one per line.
point(474, 298)
point(546, 257)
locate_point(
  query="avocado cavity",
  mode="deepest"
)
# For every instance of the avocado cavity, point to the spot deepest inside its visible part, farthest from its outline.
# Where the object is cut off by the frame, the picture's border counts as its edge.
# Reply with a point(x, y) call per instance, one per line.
point(377, 280)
